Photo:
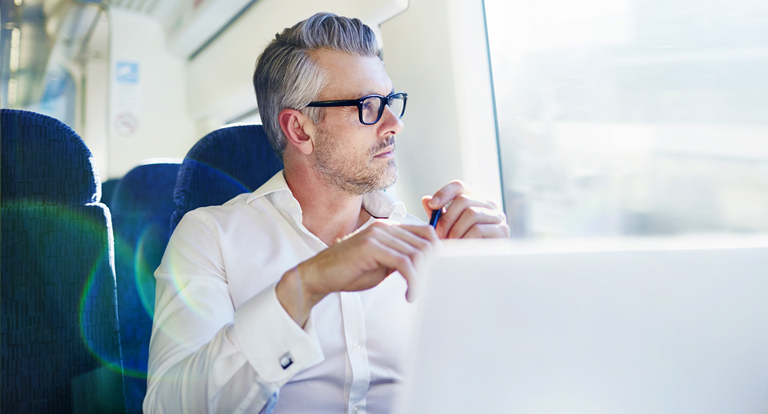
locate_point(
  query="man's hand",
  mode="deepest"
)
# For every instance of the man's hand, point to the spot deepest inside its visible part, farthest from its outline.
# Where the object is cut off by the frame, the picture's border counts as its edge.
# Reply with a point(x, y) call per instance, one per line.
point(467, 216)
point(359, 262)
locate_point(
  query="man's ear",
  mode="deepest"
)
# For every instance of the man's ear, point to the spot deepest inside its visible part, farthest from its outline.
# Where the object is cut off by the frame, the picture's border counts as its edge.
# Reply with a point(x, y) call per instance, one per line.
point(293, 123)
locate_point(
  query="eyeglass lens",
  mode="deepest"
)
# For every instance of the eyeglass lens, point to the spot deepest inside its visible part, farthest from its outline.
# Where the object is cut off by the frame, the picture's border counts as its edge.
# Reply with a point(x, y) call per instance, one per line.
point(372, 107)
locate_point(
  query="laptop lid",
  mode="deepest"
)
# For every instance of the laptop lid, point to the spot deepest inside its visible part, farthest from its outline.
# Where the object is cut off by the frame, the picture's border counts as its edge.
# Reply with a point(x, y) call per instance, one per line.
point(649, 326)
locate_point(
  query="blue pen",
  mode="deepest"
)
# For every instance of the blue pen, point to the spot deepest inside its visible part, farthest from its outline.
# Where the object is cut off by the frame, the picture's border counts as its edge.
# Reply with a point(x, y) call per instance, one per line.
point(435, 217)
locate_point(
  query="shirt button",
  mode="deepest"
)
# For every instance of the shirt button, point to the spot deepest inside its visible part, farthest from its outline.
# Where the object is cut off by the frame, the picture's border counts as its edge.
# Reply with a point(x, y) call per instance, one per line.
point(356, 348)
point(293, 204)
point(356, 409)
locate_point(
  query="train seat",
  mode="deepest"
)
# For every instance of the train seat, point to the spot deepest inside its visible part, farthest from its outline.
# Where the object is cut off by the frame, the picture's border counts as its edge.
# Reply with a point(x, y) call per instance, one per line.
point(223, 164)
point(60, 338)
point(107, 190)
point(141, 208)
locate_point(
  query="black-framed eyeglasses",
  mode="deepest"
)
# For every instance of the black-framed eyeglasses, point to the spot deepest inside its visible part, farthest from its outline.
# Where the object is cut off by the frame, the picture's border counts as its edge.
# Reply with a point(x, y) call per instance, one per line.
point(371, 107)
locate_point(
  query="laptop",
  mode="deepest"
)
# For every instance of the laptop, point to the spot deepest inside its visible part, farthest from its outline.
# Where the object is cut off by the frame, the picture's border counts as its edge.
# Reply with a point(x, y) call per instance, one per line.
point(622, 326)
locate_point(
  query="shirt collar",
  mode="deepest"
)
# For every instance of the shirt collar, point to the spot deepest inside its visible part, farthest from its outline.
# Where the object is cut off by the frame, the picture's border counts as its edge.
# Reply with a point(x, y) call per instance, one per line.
point(275, 184)
point(379, 204)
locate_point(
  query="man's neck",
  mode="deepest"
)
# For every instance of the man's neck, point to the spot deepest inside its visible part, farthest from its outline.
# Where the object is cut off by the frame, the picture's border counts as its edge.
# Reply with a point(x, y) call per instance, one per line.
point(327, 212)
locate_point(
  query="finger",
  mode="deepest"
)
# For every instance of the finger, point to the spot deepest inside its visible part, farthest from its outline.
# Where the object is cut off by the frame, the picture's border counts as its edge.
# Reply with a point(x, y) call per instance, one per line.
point(420, 241)
point(421, 237)
point(416, 241)
point(394, 260)
point(376, 260)
point(455, 210)
point(472, 216)
point(426, 237)
point(402, 241)
point(412, 241)
point(425, 204)
point(414, 234)
point(488, 231)
point(421, 230)
point(444, 195)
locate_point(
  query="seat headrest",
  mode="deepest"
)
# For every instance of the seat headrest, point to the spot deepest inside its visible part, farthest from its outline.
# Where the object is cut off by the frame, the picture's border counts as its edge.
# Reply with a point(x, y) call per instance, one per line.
point(146, 189)
point(223, 164)
point(44, 162)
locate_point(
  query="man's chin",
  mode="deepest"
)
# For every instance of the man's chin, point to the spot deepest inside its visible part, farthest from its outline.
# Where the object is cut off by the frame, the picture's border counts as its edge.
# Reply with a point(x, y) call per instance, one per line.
point(386, 179)
point(375, 179)
point(390, 183)
point(390, 176)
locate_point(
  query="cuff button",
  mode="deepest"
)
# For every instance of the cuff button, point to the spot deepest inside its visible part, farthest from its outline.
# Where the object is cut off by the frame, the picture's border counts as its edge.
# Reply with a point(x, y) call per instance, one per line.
point(286, 360)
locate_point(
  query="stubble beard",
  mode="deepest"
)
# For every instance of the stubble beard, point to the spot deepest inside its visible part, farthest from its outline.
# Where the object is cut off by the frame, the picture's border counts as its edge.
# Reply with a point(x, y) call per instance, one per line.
point(354, 176)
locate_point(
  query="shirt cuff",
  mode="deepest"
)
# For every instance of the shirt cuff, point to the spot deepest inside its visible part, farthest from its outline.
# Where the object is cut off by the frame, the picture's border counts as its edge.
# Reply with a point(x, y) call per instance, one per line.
point(272, 342)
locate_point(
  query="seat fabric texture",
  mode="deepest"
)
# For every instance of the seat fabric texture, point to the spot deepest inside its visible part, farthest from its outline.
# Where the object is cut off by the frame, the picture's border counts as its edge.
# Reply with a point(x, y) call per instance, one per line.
point(223, 164)
point(141, 207)
point(107, 190)
point(60, 339)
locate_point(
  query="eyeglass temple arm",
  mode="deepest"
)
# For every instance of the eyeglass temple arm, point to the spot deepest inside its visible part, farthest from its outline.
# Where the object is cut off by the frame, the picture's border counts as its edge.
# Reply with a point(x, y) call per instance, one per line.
point(334, 103)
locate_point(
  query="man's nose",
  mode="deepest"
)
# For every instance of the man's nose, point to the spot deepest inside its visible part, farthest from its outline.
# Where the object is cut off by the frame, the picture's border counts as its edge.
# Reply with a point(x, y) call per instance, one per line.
point(390, 122)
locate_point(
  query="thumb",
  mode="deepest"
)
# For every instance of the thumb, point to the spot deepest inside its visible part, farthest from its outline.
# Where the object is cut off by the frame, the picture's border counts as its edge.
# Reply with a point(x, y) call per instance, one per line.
point(425, 204)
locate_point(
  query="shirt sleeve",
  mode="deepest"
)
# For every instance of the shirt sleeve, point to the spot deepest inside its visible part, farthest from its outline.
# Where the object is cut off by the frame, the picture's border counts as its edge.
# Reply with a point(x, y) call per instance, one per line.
point(205, 356)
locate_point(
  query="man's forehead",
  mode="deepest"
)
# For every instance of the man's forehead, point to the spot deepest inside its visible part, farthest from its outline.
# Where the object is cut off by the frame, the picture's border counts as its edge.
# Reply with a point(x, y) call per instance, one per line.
point(351, 76)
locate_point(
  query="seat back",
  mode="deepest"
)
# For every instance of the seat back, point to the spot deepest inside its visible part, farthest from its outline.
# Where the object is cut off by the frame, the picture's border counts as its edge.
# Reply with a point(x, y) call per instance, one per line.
point(141, 206)
point(60, 339)
point(223, 164)
point(107, 190)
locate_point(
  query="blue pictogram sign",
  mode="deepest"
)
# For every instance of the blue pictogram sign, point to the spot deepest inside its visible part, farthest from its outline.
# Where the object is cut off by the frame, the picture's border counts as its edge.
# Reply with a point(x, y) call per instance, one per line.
point(128, 72)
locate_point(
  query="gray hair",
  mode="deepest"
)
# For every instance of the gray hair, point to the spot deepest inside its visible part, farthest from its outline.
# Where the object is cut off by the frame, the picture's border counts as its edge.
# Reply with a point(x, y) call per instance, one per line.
point(287, 75)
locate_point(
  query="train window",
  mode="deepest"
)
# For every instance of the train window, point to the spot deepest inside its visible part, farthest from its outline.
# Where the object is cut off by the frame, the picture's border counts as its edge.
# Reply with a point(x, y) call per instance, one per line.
point(59, 98)
point(631, 117)
point(28, 81)
point(50, 62)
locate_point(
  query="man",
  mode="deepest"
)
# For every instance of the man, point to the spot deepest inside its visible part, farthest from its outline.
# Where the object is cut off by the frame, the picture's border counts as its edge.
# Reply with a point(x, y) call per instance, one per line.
point(283, 300)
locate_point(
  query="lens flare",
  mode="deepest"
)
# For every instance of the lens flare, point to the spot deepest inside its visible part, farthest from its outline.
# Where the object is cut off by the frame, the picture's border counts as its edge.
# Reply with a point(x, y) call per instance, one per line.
point(91, 337)
point(149, 249)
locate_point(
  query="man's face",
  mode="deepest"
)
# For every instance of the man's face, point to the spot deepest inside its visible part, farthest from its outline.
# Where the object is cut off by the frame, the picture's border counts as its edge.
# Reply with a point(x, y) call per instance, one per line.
point(355, 158)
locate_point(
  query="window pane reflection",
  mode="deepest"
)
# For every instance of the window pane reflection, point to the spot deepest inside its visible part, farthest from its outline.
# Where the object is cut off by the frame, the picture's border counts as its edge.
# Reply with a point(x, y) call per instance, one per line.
point(632, 117)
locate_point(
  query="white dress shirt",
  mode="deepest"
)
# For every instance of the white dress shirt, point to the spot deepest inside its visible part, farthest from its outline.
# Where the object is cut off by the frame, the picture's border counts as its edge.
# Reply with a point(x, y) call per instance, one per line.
point(221, 341)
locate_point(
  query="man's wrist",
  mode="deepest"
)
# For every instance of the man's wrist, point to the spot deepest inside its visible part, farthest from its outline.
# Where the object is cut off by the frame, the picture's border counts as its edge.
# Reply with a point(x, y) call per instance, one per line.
point(296, 295)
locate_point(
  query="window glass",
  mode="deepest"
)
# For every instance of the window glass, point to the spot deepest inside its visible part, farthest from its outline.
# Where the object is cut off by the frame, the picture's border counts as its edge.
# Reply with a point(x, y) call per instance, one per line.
point(59, 97)
point(632, 117)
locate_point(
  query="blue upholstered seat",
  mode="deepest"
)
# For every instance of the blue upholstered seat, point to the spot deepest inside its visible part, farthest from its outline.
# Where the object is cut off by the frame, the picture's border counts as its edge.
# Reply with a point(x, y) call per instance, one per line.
point(223, 164)
point(60, 339)
point(107, 190)
point(141, 207)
